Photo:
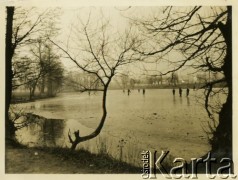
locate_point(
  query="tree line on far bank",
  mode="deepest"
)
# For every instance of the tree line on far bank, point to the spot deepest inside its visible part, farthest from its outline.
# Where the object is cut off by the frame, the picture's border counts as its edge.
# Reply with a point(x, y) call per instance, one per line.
point(41, 70)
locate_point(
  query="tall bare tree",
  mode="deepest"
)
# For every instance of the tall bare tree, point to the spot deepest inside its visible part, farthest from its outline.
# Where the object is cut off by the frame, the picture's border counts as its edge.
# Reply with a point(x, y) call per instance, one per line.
point(99, 52)
point(9, 51)
point(23, 26)
point(202, 36)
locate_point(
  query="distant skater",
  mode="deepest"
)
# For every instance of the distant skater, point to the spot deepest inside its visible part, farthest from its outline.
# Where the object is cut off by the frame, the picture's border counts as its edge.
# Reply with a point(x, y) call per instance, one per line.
point(123, 90)
point(187, 92)
point(138, 90)
point(143, 91)
point(128, 92)
point(180, 92)
point(173, 91)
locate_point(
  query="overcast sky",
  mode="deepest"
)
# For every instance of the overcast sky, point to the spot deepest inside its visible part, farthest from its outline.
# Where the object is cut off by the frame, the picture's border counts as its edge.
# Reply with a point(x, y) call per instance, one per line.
point(118, 17)
point(119, 21)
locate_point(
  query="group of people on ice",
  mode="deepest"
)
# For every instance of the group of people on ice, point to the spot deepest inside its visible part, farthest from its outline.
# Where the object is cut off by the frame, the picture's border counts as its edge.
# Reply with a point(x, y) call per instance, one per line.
point(180, 92)
point(129, 91)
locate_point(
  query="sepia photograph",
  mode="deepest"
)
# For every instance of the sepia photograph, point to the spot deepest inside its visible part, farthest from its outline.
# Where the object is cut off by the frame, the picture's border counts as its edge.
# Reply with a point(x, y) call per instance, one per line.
point(142, 90)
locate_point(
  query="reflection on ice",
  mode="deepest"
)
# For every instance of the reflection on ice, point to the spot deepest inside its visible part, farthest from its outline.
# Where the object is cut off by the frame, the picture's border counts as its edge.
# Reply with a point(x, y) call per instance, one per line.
point(188, 101)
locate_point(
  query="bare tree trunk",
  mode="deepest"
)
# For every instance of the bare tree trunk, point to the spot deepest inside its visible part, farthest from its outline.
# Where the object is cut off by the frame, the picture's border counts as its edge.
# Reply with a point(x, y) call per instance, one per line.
point(9, 50)
point(30, 93)
point(42, 87)
point(223, 135)
point(50, 88)
point(34, 89)
point(79, 139)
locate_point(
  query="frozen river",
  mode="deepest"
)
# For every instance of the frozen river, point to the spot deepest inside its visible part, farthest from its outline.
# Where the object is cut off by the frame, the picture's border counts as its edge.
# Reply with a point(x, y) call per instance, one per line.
point(154, 121)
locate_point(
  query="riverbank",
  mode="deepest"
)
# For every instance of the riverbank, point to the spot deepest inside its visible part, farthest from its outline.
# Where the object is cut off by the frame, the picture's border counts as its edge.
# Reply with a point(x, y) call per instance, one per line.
point(24, 160)
point(23, 97)
point(42, 160)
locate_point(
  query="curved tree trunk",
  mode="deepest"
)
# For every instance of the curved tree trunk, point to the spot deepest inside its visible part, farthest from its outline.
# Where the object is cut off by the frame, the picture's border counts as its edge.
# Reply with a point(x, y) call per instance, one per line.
point(79, 139)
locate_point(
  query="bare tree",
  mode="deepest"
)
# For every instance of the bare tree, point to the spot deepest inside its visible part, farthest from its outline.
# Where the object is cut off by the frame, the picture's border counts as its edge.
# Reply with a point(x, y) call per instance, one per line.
point(52, 71)
point(82, 82)
point(23, 26)
point(99, 52)
point(40, 67)
point(201, 39)
point(9, 51)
